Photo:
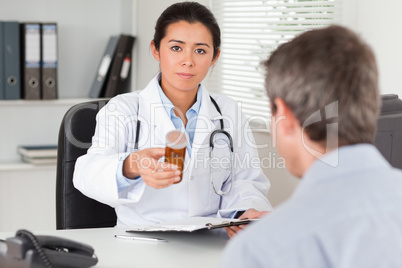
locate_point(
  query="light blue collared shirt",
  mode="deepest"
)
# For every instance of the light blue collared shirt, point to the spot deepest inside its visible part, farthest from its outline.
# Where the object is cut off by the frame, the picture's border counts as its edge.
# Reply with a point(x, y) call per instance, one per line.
point(191, 115)
point(349, 216)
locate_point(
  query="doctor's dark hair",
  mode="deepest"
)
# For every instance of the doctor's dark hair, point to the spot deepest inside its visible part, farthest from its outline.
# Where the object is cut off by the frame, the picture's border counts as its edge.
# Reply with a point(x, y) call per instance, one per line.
point(327, 76)
point(190, 12)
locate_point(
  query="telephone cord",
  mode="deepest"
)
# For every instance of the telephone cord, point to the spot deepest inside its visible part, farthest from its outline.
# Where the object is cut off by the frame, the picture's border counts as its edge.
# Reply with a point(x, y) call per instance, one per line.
point(36, 245)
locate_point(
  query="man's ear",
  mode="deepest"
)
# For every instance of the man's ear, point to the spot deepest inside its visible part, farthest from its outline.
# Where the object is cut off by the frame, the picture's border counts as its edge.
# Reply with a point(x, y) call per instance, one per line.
point(285, 115)
point(155, 51)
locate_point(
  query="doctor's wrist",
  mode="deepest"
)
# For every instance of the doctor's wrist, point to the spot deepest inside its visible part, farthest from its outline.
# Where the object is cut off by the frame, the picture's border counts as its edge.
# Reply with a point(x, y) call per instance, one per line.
point(130, 167)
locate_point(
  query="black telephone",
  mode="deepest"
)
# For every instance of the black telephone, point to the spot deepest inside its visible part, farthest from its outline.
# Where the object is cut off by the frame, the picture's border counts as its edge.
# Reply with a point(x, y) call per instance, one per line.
point(26, 250)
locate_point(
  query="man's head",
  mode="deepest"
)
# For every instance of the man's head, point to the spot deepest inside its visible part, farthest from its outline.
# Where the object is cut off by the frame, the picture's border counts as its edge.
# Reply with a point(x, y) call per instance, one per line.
point(326, 70)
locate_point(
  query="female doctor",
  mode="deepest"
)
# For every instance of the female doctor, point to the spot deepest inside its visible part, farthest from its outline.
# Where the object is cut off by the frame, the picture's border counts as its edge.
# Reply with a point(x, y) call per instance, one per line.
point(123, 167)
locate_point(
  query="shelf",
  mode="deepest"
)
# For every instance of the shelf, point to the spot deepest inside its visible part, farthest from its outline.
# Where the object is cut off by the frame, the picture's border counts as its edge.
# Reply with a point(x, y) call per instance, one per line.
point(21, 166)
point(31, 123)
point(57, 102)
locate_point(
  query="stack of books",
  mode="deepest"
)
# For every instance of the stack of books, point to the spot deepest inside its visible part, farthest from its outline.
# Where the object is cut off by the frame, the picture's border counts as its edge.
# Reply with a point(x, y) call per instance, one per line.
point(39, 155)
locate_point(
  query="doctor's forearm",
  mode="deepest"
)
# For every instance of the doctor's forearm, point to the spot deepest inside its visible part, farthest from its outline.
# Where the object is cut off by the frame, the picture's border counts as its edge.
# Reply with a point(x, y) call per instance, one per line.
point(130, 167)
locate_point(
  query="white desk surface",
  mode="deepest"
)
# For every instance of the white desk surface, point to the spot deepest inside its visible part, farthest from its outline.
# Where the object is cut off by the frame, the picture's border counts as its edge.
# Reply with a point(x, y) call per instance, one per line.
point(198, 249)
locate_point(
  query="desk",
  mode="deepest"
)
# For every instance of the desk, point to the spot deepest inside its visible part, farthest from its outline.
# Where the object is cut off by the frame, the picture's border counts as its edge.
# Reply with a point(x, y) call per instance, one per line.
point(199, 249)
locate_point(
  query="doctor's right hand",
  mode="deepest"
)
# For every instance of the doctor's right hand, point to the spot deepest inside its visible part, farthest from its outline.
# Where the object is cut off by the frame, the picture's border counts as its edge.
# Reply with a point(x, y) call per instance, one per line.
point(155, 174)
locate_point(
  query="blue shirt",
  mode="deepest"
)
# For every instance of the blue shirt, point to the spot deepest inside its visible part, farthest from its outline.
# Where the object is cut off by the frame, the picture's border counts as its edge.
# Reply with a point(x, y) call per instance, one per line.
point(348, 216)
point(191, 115)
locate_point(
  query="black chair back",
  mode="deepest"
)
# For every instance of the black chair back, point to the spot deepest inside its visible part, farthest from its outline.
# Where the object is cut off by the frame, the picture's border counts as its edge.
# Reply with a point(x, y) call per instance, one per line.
point(388, 138)
point(73, 209)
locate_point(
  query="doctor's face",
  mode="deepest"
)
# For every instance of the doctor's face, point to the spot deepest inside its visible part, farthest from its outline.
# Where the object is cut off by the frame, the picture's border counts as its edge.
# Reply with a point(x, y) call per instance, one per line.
point(185, 55)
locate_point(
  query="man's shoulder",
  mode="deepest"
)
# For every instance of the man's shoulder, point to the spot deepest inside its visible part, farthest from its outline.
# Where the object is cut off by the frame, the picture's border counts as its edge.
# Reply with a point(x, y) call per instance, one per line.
point(273, 241)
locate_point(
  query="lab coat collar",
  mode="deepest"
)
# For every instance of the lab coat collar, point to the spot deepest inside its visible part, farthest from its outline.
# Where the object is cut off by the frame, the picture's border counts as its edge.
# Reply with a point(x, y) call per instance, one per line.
point(154, 117)
point(208, 110)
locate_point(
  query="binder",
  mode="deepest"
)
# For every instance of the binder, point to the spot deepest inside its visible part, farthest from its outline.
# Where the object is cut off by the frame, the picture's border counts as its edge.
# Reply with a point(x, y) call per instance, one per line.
point(11, 60)
point(49, 61)
point(1, 62)
point(99, 83)
point(119, 78)
point(31, 58)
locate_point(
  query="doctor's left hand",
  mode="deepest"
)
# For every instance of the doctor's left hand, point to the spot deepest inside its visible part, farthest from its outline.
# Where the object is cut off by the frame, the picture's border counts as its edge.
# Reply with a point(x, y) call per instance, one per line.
point(155, 174)
point(250, 213)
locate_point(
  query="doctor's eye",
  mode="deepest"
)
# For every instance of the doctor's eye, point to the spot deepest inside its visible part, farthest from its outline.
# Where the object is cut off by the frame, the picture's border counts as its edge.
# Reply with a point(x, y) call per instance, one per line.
point(200, 51)
point(176, 48)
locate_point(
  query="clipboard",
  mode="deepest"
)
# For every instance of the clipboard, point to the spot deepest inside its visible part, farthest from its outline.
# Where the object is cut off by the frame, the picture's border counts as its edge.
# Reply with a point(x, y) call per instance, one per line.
point(228, 223)
point(190, 225)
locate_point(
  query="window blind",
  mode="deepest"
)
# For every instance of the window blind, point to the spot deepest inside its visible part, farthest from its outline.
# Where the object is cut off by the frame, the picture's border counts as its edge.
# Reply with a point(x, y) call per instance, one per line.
point(251, 30)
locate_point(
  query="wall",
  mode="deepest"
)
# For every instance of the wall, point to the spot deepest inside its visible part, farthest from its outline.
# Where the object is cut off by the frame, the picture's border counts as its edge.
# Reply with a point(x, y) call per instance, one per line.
point(148, 13)
point(282, 182)
point(379, 23)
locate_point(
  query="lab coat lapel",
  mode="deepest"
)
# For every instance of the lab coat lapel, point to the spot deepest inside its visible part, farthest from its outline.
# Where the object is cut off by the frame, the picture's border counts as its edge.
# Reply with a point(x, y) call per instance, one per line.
point(155, 122)
point(207, 122)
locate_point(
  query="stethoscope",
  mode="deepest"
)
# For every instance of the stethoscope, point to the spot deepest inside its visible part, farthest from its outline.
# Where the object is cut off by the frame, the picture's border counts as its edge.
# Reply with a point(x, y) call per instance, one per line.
point(211, 145)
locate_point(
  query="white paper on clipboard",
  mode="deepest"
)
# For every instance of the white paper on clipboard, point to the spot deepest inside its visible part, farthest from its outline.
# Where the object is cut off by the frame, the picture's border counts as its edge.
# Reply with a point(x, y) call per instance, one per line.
point(190, 225)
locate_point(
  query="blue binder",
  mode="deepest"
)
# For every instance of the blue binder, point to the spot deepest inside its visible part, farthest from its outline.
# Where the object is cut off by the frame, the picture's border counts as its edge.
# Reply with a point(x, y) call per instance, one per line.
point(11, 60)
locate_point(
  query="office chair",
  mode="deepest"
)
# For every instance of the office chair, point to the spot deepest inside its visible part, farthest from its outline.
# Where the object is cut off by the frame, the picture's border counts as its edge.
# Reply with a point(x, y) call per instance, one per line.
point(388, 138)
point(73, 209)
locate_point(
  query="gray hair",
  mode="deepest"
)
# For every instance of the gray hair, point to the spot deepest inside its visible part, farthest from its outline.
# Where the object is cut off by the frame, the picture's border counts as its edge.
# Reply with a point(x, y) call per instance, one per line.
point(322, 67)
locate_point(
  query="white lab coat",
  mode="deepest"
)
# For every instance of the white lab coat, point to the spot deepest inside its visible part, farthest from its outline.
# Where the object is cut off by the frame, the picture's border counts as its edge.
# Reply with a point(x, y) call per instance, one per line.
point(136, 203)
